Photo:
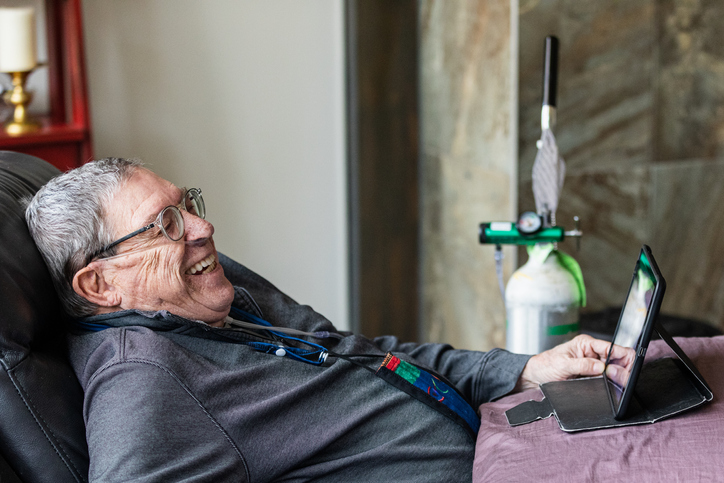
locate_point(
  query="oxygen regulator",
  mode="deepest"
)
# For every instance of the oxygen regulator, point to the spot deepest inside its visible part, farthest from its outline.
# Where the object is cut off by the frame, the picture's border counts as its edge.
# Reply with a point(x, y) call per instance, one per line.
point(530, 229)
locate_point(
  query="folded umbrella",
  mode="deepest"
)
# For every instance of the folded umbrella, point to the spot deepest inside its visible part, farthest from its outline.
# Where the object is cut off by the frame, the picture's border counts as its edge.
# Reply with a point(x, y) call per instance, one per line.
point(549, 168)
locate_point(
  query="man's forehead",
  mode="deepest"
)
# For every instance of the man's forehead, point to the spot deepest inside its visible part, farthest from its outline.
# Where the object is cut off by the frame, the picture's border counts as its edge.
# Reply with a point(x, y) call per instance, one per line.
point(141, 198)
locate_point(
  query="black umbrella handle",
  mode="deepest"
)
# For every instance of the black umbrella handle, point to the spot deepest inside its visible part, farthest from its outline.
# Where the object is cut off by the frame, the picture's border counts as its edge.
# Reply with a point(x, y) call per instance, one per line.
point(550, 71)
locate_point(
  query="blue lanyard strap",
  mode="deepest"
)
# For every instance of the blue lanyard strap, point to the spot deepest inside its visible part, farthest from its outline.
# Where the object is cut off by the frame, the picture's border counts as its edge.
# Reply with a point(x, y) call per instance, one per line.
point(316, 354)
point(315, 357)
point(431, 390)
point(91, 326)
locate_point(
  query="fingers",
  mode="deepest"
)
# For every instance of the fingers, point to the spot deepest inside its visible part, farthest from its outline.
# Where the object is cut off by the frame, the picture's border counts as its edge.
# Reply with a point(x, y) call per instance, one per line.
point(585, 366)
point(587, 346)
point(618, 374)
point(623, 354)
point(595, 347)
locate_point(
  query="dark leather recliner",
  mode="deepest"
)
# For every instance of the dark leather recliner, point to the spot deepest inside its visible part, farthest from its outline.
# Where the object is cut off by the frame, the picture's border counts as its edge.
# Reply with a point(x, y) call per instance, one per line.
point(42, 436)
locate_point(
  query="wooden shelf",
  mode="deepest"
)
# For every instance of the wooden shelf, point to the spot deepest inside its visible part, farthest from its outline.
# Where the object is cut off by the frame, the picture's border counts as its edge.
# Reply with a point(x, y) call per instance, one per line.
point(60, 144)
point(49, 133)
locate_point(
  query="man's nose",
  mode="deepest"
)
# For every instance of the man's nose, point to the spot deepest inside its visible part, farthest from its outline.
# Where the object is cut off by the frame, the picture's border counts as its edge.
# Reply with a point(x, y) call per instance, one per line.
point(197, 230)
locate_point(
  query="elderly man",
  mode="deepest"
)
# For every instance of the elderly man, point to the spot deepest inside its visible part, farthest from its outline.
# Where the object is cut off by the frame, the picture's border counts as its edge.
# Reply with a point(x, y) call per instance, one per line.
point(188, 376)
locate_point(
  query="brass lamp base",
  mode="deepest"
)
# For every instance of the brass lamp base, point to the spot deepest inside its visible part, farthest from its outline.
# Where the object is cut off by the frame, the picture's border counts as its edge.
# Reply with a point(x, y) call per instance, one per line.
point(17, 129)
point(21, 122)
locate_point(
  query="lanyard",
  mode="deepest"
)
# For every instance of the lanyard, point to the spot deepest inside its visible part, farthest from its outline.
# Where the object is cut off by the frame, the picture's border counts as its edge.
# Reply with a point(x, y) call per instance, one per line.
point(430, 389)
point(316, 354)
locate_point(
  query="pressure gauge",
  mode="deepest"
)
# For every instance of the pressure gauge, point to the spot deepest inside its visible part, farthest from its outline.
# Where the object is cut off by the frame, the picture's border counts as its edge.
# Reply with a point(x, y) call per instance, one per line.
point(529, 222)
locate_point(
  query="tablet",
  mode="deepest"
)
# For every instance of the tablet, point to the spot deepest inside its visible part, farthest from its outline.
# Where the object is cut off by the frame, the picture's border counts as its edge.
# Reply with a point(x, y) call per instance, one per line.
point(633, 332)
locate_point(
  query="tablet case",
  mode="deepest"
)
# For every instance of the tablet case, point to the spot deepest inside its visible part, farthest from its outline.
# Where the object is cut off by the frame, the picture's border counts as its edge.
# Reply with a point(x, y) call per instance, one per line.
point(665, 387)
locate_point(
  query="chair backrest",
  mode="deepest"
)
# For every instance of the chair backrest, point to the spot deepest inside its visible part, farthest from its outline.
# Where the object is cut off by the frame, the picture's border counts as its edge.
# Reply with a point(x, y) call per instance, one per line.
point(42, 436)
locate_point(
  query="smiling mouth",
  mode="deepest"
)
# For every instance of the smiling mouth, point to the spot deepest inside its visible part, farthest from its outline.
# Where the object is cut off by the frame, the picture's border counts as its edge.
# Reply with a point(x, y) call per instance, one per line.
point(206, 265)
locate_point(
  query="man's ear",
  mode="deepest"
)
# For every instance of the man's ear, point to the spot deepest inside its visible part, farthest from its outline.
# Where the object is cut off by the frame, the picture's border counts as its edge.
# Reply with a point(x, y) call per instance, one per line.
point(90, 284)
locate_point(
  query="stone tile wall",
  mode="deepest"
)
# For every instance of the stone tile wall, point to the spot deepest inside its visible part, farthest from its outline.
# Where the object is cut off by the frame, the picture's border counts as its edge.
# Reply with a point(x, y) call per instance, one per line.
point(641, 126)
point(468, 172)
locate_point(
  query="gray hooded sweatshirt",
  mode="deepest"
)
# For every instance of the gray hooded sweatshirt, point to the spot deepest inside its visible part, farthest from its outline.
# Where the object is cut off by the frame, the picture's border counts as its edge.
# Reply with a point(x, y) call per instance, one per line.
point(170, 399)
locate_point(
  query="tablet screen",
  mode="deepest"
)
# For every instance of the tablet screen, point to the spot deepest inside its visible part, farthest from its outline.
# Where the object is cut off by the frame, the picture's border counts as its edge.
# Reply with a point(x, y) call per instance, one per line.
point(631, 332)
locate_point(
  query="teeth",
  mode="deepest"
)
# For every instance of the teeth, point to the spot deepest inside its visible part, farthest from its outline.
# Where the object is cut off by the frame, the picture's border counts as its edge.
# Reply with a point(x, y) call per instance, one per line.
point(209, 261)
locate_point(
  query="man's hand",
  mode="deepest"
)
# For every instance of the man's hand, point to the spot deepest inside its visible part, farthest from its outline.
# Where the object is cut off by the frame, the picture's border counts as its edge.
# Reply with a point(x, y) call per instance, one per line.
point(582, 356)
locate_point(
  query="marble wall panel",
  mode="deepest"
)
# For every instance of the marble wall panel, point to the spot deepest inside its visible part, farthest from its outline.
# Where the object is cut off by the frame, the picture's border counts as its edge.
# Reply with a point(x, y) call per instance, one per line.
point(468, 172)
point(605, 97)
point(462, 92)
point(690, 100)
point(687, 234)
point(462, 303)
point(641, 126)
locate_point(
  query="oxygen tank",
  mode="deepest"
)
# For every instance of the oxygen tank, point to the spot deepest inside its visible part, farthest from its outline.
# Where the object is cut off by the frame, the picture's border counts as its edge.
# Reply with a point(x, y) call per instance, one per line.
point(542, 301)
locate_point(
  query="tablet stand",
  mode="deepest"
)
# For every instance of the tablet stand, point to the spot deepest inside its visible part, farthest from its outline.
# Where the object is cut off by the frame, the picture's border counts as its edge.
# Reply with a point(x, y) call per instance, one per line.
point(665, 387)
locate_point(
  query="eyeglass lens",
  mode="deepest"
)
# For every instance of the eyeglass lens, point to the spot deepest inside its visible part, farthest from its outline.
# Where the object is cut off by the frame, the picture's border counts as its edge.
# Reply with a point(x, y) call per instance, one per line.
point(194, 203)
point(172, 221)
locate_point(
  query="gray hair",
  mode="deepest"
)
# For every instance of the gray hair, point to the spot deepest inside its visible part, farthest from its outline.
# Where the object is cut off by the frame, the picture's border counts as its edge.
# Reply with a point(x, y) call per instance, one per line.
point(66, 218)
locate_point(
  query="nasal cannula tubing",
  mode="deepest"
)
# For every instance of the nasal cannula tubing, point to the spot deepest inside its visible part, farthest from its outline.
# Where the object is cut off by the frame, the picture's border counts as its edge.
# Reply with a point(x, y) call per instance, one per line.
point(323, 334)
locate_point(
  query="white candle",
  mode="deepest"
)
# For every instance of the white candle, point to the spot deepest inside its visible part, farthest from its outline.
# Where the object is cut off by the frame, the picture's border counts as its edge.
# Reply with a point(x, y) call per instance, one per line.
point(17, 39)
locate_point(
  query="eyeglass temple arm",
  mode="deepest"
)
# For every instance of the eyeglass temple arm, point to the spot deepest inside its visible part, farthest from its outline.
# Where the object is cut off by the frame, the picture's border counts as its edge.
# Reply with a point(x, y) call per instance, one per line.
point(121, 240)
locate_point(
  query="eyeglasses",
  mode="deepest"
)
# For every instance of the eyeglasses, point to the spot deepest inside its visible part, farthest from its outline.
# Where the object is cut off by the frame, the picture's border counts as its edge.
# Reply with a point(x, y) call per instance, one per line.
point(170, 220)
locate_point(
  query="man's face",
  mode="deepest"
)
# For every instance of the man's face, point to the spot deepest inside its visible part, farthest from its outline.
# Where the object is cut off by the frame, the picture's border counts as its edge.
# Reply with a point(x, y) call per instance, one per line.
point(158, 274)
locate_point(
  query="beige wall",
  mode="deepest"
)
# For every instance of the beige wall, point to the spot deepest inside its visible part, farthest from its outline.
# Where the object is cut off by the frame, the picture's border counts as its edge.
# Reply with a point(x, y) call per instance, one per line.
point(244, 99)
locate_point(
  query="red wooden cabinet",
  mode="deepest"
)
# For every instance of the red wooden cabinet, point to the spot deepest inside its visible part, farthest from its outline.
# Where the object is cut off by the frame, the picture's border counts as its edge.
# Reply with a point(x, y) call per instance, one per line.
point(64, 138)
